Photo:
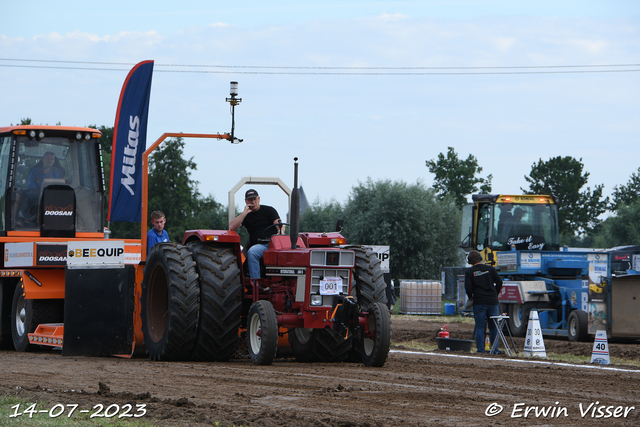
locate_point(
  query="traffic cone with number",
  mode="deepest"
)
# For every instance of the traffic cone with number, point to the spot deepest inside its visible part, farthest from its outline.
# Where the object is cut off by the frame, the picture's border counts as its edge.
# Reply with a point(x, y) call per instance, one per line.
point(534, 343)
point(600, 352)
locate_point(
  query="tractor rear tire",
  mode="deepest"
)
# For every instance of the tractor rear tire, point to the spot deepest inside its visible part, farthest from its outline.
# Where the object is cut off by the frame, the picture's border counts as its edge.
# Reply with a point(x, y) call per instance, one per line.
point(262, 333)
point(368, 287)
point(301, 340)
point(578, 326)
point(27, 314)
point(375, 351)
point(220, 302)
point(170, 302)
point(519, 319)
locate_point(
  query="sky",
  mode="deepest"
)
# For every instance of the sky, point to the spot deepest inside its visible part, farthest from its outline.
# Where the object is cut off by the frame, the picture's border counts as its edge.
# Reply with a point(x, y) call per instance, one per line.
point(354, 89)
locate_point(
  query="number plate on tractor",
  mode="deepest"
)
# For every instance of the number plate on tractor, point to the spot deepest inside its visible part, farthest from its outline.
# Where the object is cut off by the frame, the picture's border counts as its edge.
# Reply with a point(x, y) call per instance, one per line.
point(330, 286)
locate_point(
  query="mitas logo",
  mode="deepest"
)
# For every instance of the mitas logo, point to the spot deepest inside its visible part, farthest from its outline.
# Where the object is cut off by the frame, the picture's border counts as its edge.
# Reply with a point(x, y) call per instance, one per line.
point(58, 211)
point(129, 155)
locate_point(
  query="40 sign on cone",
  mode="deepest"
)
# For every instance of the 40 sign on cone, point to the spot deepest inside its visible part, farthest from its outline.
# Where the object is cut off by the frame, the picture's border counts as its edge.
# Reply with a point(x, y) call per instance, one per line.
point(600, 352)
point(534, 344)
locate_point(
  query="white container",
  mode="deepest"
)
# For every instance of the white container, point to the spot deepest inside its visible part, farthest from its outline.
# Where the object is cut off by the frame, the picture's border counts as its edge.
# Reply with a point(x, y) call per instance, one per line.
point(420, 297)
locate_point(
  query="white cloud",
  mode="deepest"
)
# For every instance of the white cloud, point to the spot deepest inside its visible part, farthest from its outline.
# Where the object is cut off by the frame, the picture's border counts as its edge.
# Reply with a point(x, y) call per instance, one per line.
point(589, 46)
point(504, 44)
point(392, 17)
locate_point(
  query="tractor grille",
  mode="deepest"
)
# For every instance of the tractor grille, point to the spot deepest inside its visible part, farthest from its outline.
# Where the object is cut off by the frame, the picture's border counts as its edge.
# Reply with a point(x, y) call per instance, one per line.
point(320, 273)
point(333, 258)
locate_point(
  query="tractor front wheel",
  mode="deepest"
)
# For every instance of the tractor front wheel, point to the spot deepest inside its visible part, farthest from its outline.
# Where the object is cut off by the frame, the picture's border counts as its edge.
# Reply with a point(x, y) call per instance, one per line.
point(262, 333)
point(375, 344)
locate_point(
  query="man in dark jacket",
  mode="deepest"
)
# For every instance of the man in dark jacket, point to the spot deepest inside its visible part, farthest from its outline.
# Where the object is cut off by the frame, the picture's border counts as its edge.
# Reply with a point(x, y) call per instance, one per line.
point(483, 284)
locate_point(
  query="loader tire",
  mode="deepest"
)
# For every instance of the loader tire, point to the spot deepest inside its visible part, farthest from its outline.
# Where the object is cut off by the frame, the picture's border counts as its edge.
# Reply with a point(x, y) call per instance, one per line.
point(519, 319)
point(578, 326)
point(375, 349)
point(262, 333)
point(220, 302)
point(369, 287)
point(170, 302)
point(302, 342)
point(27, 314)
point(6, 302)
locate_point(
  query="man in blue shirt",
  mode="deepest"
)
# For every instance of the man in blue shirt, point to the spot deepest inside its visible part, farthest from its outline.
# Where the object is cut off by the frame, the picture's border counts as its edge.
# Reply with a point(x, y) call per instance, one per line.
point(157, 234)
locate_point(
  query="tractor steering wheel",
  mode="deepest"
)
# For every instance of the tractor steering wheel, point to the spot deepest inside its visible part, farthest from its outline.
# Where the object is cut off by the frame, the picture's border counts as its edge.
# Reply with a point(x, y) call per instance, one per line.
point(267, 239)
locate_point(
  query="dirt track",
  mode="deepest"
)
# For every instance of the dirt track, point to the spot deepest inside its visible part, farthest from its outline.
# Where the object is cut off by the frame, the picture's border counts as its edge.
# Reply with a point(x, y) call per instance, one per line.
point(413, 388)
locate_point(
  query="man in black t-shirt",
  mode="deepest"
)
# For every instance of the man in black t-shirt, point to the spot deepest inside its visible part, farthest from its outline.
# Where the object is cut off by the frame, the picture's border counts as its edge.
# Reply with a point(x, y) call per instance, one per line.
point(256, 218)
point(479, 283)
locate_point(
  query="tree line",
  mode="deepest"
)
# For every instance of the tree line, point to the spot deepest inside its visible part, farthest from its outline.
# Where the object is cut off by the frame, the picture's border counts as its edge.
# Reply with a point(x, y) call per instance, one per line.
point(579, 209)
point(421, 224)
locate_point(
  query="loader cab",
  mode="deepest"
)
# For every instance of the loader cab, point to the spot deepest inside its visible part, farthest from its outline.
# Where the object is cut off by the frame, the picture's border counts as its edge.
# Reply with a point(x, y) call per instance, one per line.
point(506, 222)
point(51, 181)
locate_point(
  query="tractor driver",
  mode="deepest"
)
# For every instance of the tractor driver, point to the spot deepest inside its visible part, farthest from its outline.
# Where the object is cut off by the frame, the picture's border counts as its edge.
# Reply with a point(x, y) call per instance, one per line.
point(256, 218)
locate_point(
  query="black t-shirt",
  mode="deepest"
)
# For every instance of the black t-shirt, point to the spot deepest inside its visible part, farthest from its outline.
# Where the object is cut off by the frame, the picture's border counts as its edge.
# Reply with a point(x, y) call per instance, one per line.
point(256, 222)
point(478, 282)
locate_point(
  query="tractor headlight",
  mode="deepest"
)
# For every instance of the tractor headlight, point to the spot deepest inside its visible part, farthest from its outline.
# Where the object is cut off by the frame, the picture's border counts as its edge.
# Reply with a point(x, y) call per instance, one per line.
point(316, 300)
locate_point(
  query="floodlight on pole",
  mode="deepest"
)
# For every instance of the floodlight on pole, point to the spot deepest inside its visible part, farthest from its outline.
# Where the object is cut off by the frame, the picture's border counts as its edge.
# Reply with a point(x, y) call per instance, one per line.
point(234, 101)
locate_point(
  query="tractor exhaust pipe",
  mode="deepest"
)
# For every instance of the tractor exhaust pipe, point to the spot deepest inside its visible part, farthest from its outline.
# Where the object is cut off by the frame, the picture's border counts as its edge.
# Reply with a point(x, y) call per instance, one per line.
point(295, 207)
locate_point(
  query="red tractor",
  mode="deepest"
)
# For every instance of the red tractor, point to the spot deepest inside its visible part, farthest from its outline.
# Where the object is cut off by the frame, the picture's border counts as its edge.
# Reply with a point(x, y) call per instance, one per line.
point(328, 299)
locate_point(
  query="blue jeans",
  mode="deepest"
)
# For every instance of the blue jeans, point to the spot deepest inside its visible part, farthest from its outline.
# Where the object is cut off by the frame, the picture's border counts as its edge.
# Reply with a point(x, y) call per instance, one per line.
point(482, 313)
point(254, 254)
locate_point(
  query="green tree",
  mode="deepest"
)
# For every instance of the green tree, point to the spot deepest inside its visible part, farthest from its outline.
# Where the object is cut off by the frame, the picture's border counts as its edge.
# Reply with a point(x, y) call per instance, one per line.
point(626, 195)
point(421, 229)
point(171, 189)
point(321, 216)
point(456, 177)
point(578, 210)
point(621, 229)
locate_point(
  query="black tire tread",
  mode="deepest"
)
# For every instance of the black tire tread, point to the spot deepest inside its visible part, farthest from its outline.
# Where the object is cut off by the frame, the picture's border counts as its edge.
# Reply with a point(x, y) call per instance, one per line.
point(184, 302)
point(38, 311)
point(303, 352)
point(331, 347)
point(583, 326)
point(368, 278)
point(382, 340)
point(368, 287)
point(269, 328)
point(220, 302)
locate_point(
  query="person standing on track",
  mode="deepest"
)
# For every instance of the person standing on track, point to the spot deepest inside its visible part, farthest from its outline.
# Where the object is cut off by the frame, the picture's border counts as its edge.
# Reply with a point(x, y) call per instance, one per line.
point(483, 284)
